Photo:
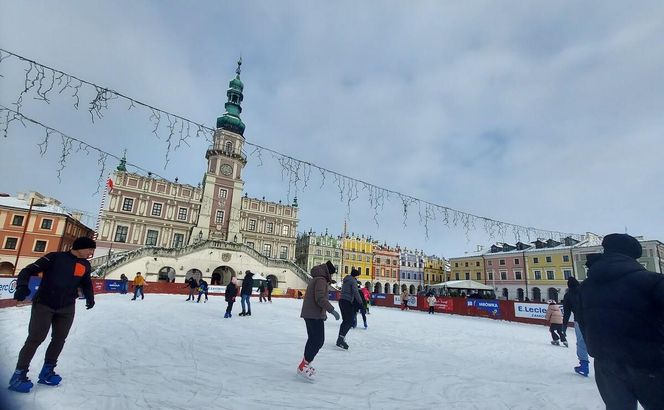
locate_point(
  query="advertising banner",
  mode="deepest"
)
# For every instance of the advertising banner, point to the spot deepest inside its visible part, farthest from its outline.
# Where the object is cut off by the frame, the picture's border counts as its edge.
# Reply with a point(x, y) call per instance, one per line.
point(216, 289)
point(8, 287)
point(412, 300)
point(378, 296)
point(113, 285)
point(534, 310)
point(444, 305)
point(489, 306)
point(98, 286)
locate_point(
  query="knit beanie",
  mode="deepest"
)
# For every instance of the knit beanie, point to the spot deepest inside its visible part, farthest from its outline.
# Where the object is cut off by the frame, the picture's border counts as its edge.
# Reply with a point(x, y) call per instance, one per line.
point(83, 243)
point(330, 268)
point(623, 244)
point(354, 272)
point(572, 282)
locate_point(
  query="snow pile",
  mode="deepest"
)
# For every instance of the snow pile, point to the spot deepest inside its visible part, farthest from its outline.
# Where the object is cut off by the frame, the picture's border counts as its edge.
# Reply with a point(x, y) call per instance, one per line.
point(165, 353)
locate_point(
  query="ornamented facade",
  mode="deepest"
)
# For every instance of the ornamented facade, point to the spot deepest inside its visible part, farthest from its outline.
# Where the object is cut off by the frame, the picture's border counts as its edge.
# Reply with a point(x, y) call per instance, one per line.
point(314, 249)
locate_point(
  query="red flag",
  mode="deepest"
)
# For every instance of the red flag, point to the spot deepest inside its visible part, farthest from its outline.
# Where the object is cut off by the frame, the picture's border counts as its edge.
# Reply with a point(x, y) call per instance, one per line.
point(109, 184)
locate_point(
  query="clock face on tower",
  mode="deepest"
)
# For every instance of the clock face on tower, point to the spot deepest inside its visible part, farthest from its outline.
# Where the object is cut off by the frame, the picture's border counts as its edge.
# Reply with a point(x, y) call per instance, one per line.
point(226, 169)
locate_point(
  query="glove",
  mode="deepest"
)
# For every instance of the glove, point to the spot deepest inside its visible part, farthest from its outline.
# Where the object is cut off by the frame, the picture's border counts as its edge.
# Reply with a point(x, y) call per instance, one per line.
point(21, 293)
point(335, 314)
point(89, 304)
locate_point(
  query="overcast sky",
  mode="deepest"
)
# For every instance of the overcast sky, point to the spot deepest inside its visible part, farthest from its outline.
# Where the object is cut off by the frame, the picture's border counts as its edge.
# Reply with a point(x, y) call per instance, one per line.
point(543, 114)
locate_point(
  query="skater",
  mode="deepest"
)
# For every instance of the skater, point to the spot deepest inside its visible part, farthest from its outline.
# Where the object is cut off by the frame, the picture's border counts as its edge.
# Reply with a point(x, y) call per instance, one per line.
point(571, 304)
point(229, 295)
point(555, 319)
point(261, 293)
point(124, 284)
point(270, 288)
point(314, 306)
point(622, 314)
point(192, 284)
point(360, 307)
point(139, 282)
point(53, 308)
point(349, 295)
point(202, 290)
point(404, 299)
point(245, 293)
point(367, 297)
point(431, 300)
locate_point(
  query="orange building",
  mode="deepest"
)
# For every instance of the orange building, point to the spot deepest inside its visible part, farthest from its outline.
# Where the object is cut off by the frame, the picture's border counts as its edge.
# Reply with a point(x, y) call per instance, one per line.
point(48, 228)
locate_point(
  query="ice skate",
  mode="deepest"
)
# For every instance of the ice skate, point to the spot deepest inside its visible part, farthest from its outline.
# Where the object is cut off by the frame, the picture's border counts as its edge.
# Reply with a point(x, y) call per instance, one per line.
point(305, 371)
point(48, 376)
point(19, 382)
point(582, 368)
point(555, 343)
point(341, 343)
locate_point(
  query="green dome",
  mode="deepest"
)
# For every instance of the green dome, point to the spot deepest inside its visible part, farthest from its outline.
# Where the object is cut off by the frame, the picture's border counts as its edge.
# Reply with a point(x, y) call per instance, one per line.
point(231, 123)
point(236, 84)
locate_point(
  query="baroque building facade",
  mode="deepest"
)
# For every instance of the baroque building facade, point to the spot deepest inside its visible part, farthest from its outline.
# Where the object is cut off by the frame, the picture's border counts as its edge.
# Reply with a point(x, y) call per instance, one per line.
point(314, 249)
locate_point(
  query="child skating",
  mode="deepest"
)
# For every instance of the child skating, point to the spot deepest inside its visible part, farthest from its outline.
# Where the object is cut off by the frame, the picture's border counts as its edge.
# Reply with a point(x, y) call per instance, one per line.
point(555, 319)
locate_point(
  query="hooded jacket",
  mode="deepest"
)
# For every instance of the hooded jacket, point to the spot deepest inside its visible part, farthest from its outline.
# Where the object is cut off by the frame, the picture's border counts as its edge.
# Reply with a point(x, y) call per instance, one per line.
point(571, 300)
point(622, 312)
point(554, 315)
point(315, 302)
point(247, 283)
point(349, 290)
point(231, 290)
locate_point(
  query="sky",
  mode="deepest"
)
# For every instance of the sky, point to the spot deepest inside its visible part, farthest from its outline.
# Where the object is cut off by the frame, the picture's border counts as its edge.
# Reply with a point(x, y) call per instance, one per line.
point(544, 115)
point(196, 359)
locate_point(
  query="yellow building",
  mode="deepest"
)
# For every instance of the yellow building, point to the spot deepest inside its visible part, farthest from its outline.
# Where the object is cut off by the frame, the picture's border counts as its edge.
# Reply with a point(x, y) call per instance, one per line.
point(468, 267)
point(433, 270)
point(358, 253)
point(548, 265)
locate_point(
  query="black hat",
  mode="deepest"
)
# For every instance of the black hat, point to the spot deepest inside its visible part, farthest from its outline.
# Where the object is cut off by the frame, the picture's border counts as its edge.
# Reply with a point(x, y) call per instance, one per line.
point(572, 282)
point(354, 272)
point(83, 243)
point(330, 268)
point(622, 243)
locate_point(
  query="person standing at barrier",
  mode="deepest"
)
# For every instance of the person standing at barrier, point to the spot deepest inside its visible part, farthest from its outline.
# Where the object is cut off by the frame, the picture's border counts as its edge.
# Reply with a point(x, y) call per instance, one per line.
point(349, 296)
point(404, 299)
point(270, 288)
point(53, 308)
point(622, 321)
point(245, 293)
point(202, 290)
point(230, 294)
point(139, 282)
point(314, 306)
point(124, 284)
point(431, 300)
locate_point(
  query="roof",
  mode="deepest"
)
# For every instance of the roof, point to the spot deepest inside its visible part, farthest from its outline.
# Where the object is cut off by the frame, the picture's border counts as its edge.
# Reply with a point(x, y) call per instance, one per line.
point(13, 202)
point(462, 284)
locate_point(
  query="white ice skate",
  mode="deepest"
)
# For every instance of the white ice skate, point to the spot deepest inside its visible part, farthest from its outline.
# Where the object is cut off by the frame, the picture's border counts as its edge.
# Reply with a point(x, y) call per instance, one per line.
point(306, 372)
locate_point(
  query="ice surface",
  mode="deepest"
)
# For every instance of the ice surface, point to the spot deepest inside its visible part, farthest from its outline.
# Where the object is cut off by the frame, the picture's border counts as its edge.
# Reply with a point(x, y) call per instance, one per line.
point(165, 353)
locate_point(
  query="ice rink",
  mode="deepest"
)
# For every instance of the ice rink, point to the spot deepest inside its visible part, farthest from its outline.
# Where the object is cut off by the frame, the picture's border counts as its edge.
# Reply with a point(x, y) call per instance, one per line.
point(165, 353)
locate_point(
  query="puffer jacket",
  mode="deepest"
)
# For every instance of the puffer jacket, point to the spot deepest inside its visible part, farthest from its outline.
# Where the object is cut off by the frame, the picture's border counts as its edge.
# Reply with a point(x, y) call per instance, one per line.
point(554, 315)
point(316, 302)
point(622, 312)
point(350, 291)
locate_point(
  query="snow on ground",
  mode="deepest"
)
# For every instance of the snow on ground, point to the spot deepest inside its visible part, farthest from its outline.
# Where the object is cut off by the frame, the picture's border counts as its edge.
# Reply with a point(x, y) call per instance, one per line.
point(165, 353)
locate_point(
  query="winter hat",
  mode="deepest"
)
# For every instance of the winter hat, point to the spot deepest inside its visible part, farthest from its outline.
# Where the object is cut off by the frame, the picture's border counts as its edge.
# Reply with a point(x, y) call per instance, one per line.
point(83, 243)
point(354, 272)
point(330, 268)
point(592, 258)
point(572, 282)
point(623, 244)
point(249, 273)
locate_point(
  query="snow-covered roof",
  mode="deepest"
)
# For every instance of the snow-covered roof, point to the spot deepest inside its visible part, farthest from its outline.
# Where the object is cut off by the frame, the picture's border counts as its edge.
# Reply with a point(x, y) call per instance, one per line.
point(13, 202)
point(462, 284)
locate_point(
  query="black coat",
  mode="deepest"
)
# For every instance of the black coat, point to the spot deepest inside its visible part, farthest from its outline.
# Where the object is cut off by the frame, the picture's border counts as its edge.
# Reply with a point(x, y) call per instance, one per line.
point(192, 283)
point(571, 304)
point(247, 284)
point(231, 292)
point(622, 312)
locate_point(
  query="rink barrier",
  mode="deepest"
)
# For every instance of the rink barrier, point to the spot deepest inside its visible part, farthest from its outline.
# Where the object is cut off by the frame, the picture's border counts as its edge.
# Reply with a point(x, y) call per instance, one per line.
point(492, 309)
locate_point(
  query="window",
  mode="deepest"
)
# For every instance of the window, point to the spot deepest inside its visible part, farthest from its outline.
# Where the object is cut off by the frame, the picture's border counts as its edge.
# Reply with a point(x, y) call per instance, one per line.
point(40, 246)
point(178, 240)
point(466, 264)
point(219, 217)
point(477, 263)
point(548, 259)
point(456, 275)
point(517, 275)
point(538, 275)
point(516, 261)
point(408, 275)
point(352, 257)
point(327, 253)
point(250, 244)
point(502, 262)
point(479, 276)
point(151, 237)
point(319, 252)
point(490, 276)
point(467, 275)
point(10, 243)
point(565, 258)
point(503, 275)
point(121, 234)
point(535, 260)
point(252, 225)
point(456, 264)
point(127, 204)
point(47, 223)
point(156, 209)
point(367, 271)
point(18, 220)
point(567, 273)
point(550, 275)
point(269, 228)
point(182, 214)
point(285, 230)
point(284, 252)
point(223, 193)
point(489, 263)
point(378, 260)
point(336, 254)
point(267, 250)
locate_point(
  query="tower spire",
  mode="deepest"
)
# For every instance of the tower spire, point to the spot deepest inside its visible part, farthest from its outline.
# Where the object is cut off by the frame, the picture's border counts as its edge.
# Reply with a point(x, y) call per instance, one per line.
point(230, 120)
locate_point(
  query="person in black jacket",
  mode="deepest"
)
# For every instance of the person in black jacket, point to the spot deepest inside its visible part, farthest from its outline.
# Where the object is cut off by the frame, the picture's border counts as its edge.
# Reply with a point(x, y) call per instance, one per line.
point(571, 304)
point(229, 295)
point(53, 308)
point(261, 292)
point(192, 284)
point(245, 293)
point(622, 320)
point(270, 288)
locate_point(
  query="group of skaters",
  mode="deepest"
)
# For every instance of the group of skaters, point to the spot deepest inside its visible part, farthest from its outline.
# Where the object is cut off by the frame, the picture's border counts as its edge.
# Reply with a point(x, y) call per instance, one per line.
point(618, 310)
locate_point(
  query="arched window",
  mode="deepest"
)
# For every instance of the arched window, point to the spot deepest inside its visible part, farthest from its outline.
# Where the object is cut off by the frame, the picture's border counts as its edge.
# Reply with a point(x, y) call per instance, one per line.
point(506, 293)
point(395, 288)
point(228, 147)
point(519, 294)
point(166, 274)
point(537, 295)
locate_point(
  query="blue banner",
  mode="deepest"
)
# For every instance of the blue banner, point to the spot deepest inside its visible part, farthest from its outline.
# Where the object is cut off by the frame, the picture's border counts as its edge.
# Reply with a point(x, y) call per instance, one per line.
point(378, 296)
point(490, 306)
point(332, 295)
point(113, 285)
